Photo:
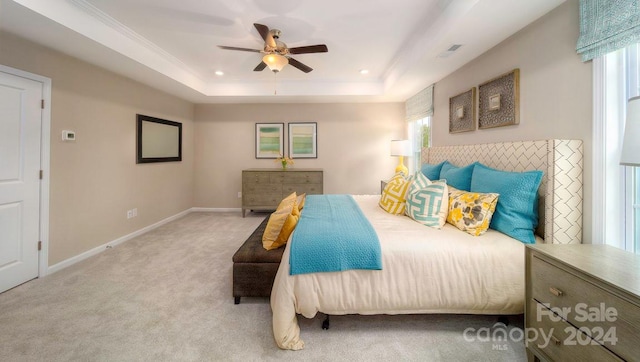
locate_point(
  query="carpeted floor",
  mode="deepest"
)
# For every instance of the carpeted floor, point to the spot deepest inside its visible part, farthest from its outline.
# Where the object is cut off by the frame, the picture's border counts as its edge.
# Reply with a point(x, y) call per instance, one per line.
point(166, 296)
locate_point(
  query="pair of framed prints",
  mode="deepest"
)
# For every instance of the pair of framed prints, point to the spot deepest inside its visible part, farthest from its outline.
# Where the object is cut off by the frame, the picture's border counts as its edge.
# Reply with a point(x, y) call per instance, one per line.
point(498, 104)
point(302, 140)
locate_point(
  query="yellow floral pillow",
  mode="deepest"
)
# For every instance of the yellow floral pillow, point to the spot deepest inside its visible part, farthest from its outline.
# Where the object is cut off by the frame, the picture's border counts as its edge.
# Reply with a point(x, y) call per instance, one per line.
point(393, 199)
point(471, 211)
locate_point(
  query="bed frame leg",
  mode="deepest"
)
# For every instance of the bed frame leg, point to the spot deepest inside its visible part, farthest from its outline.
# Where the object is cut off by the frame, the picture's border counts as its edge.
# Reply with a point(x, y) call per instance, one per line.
point(236, 300)
point(325, 323)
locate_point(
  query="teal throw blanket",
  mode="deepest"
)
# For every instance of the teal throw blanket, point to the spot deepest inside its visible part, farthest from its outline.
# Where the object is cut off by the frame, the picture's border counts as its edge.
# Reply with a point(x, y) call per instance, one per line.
point(333, 235)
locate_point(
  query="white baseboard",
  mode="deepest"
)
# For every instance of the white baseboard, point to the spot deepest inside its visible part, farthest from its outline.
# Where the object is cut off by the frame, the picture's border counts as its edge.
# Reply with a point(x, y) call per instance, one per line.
point(68, 262)
point(214, 209)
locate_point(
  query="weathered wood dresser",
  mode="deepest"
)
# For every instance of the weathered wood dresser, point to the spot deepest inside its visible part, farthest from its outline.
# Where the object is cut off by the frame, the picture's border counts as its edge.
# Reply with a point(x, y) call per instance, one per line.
point(264, 188)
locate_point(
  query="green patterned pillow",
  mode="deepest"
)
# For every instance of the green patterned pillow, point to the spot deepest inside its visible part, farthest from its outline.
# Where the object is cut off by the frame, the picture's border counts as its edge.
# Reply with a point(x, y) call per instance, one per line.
point(427, 202)
point(394, 194)
point(471, 211)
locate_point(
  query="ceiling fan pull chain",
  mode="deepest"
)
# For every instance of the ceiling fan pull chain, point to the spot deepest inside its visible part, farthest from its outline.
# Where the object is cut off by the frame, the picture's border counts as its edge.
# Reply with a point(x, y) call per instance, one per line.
point(275, 83)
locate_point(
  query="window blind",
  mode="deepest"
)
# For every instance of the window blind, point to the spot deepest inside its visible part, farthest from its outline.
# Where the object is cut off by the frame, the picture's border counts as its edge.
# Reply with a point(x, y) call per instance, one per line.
point(607, 25)
point(420, 105)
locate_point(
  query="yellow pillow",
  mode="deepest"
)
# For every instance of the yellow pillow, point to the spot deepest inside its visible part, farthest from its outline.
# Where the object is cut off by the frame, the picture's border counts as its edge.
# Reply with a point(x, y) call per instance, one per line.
point(277, 221)
point(300, 201)
point(288, 227)
point(394, 194)
point(471, 211)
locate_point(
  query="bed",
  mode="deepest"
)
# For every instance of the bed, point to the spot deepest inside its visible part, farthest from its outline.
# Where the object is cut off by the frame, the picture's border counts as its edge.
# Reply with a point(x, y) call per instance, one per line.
point(428, 270)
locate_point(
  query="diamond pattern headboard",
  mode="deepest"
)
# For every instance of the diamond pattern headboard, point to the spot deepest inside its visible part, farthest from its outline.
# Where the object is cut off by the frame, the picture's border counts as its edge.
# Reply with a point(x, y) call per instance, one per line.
point(561, 188)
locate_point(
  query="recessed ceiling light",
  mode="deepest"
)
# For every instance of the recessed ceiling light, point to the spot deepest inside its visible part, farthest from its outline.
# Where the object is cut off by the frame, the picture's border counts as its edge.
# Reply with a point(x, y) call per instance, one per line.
point(364, 71)
point(219, 72)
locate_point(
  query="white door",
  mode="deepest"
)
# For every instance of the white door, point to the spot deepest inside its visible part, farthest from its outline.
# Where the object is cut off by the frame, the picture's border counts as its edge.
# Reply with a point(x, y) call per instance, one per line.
point(20, 129)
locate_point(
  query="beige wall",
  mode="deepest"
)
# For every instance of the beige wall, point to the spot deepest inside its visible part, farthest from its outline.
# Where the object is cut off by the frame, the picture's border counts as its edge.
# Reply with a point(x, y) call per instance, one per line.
point(555, 90)
point(353, 145)
point(95, 179)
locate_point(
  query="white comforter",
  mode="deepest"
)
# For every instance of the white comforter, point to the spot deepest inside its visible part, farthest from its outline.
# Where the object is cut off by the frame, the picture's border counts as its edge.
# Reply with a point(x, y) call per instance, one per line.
point(425, 270)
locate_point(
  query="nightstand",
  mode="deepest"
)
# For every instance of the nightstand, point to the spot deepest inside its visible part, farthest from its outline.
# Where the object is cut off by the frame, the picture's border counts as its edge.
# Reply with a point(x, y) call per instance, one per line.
point(582, 303)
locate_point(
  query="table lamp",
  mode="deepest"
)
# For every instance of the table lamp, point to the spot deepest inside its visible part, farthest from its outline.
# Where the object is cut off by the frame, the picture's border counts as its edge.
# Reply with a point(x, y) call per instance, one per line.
point(401, 148)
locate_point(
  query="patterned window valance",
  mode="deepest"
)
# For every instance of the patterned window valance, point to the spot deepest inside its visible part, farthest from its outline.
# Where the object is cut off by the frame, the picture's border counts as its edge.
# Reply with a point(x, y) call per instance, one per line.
point(420, 105)
point(607, 25)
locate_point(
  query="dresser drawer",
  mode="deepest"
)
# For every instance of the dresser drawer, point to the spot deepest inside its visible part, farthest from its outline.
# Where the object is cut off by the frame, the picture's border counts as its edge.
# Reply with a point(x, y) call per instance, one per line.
point(309, 189)
point(561, 341)
point(261, 199)
point(303, 178)
point(587, 305)
point(250, 177)
point(266, 188)
point(276, 177)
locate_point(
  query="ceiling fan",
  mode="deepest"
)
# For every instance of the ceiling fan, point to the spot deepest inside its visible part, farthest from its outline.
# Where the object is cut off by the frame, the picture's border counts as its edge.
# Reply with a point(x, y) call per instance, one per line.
point(276, 53)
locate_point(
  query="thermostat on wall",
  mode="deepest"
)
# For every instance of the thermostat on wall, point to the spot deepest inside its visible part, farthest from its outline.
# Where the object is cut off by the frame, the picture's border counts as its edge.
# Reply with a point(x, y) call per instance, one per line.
point(68, 136)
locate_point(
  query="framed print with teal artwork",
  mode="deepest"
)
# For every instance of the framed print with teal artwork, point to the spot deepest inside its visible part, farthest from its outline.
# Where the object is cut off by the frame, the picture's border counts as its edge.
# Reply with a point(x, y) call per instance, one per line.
point(303, 140)
point(269, 140)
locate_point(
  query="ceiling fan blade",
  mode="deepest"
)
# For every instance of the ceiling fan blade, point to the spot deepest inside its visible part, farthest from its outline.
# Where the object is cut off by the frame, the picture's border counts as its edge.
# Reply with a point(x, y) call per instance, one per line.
point(265, 34)
point(263, 30)
point(260, 67)
point(302, 67)
point(241, 49)
point(320, 48)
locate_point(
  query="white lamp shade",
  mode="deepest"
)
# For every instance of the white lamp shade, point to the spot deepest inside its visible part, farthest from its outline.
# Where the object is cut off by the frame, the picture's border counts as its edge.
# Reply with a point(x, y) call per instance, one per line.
point(400, 148)
point(631, 141)
point(275, 62)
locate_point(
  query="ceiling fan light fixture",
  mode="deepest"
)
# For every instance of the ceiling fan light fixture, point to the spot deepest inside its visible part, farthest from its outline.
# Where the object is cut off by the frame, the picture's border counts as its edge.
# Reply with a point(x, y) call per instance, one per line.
point(275, 62)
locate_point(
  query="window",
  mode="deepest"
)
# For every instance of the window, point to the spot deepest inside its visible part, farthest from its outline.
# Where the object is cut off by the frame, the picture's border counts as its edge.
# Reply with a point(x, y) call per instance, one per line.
point(420, 136)
point(617, 191)
point(418, 112)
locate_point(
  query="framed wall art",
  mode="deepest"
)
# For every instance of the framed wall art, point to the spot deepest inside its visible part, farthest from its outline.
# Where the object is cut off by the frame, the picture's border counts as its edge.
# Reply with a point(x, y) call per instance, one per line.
point(269, 140)
point(158, 140)
point(499, 101)
point(303, 140)
point(462, 112)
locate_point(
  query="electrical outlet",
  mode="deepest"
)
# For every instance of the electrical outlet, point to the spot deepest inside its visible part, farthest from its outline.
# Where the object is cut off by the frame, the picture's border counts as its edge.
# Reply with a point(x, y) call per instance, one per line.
point(135, 212)
point(129, 214)
point(239, 194)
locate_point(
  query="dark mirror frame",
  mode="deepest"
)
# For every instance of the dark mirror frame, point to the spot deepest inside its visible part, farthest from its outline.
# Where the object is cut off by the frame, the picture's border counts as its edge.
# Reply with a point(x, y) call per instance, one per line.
point(142, 118)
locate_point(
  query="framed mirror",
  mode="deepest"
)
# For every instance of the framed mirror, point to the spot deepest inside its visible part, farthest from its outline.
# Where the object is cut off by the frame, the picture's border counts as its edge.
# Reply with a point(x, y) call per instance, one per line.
point(158, 140)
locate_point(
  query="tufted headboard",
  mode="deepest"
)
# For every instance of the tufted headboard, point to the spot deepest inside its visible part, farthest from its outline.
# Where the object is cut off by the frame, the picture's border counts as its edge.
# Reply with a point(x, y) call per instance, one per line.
point(561, 188)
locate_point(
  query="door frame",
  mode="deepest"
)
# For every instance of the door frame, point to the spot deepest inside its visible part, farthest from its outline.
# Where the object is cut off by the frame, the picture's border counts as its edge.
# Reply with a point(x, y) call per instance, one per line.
point(45, 155)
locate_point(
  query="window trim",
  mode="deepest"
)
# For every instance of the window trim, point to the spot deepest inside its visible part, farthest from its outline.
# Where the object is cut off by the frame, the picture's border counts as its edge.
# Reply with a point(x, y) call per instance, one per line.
point(612, 206)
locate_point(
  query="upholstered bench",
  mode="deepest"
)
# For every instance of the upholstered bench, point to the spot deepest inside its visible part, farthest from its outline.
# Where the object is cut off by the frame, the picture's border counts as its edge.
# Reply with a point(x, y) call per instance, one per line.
point(254, 268)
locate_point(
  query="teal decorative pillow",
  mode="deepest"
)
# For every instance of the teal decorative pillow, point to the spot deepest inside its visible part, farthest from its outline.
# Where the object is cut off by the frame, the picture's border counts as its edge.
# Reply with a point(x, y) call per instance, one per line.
point(458, 177)
point(517, 211)
point(427, 202)
point(432, 171)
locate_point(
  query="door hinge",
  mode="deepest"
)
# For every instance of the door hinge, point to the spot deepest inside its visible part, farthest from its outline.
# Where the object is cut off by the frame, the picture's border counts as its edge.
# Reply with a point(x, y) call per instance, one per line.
point(41, 174)
point(39, 245)
point(42, 103)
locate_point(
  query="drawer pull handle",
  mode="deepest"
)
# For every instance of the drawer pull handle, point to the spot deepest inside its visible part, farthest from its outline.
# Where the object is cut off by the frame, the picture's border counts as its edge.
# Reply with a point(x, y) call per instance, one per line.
point(556, 341)
point(556, 292)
